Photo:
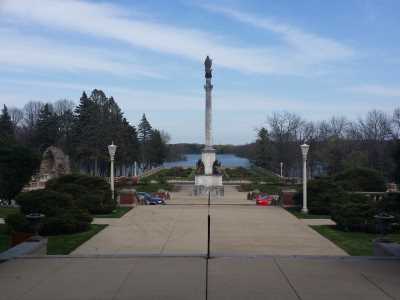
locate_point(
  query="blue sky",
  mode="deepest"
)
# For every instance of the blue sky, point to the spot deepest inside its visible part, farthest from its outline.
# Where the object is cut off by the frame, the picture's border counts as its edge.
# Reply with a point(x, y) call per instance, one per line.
point(315, 58)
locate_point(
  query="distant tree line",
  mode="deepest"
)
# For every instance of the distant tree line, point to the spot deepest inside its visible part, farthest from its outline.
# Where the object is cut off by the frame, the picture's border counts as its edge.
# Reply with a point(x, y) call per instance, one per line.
point(84, 132)
point(335, 144)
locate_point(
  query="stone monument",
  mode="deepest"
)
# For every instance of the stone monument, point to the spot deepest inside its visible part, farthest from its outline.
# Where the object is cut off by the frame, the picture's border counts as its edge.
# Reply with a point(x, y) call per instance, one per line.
point(208, 177)
point(54, 164)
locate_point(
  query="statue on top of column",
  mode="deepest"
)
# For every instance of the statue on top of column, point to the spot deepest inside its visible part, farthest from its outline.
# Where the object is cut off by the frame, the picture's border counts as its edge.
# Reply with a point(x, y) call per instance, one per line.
point(207, 65)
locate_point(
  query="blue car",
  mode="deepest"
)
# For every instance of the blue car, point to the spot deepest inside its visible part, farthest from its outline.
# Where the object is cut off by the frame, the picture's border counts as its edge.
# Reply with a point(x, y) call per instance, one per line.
point(149, 199)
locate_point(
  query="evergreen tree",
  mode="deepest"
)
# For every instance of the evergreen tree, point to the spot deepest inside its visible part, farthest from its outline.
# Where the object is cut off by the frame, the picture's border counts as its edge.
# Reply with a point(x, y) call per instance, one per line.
point(6, 127)
point(157, 149)
point(17, 165)
point(263, 149)
point(47, 129)
point(144, 130)
point(144, 136)
point(396, 158)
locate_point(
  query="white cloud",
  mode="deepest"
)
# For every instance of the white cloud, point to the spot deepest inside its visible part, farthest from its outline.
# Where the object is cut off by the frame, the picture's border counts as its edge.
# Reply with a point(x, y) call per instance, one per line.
point(376, 90)
point(19, 50)
point(299, 53)
point(308, 45)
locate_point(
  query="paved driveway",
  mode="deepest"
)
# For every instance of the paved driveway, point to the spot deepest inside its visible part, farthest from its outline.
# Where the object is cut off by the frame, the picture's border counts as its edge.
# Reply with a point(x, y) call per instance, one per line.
point(238, 227)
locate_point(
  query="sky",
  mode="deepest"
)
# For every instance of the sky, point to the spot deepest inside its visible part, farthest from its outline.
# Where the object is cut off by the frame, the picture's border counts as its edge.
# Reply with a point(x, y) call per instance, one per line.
point(315, 58)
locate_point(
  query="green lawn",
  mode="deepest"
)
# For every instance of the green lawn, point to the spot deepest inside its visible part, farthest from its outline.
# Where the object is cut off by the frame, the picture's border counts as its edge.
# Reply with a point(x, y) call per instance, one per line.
point(4, 238)
point(116, 213)
point(5, 211)
point(65, 244)
point(297, 213)
point(354, 243)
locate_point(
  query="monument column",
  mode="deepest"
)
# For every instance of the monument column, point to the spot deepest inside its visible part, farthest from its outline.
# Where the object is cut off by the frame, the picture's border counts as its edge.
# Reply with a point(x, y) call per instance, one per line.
point(208, 180)
point(208, 87)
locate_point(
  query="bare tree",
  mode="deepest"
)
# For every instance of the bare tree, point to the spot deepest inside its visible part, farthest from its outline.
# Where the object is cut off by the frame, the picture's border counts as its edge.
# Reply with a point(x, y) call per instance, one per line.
point(165, 136)
point(31, 113)
point(376, 126)
point(396, 123)
point(16, 116)
point(62, 106)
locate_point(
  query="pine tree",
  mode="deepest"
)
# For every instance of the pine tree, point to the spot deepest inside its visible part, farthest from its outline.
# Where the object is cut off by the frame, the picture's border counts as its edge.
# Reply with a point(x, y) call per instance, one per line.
point(6, 127)
point(263, 149)
point(144, 136)
point(47, 129)
point(157, 149)
point(144, 130)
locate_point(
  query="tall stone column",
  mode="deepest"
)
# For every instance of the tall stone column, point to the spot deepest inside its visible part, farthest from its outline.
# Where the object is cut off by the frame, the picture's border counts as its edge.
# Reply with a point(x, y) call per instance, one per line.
point(208, 87)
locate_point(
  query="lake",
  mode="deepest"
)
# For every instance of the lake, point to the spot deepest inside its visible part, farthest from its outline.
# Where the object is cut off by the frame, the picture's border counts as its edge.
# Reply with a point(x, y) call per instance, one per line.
point(226, 160)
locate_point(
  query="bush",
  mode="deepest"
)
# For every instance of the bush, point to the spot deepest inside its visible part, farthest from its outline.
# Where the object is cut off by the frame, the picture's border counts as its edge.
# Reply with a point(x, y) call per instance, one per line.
point(43, 201)
point(88, 192)
point(271, 189)
point(66, 222)
point(321, 193)
point(391, 205)
point(354, 212)
point(361, 180)
point(17, 222)
point(62, 214)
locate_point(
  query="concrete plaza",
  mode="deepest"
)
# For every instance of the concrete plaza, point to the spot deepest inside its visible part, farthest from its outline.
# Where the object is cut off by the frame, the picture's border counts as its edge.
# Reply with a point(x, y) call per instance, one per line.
point(238, 227)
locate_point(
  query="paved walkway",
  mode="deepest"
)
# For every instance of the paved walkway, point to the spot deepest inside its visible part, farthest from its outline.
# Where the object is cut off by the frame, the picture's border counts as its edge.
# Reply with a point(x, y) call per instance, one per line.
point(230, 278)
point(238, 227)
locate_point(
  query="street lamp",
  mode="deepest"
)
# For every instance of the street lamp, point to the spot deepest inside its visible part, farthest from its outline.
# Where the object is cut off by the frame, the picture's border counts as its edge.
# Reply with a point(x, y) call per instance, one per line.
point(281, 169)
point(112, 149)
point(304, 151)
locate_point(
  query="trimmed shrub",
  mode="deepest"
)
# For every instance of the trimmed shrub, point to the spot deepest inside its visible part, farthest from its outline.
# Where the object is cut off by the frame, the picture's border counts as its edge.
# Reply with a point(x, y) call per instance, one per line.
point(88, 192)
point(354, 212)
point(43, 201)
point(321, 193)
point(271, 189)
point(66, 222)
point(17, 222)
point(361, 180)
point(62, 215)
point(391, 205)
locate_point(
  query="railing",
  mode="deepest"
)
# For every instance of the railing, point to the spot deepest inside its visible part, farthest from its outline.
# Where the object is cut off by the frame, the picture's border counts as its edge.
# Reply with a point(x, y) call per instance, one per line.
point(151, 171)
point(375, 196)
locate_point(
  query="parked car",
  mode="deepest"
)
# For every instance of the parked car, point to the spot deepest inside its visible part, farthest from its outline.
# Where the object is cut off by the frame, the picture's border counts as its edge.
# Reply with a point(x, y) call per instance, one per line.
point(149, 199)
point(264, 199)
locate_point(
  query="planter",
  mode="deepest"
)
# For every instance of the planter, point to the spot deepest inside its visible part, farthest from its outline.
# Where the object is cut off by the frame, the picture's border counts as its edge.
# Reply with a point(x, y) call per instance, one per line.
point(19, 237)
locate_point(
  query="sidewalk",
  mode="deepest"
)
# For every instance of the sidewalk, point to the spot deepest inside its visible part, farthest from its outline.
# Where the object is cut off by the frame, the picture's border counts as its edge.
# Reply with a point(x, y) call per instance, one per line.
point(127, 277)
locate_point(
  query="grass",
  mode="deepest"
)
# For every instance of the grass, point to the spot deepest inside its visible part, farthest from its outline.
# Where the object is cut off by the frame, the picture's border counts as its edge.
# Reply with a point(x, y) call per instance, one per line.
point(116, 213)
point(4, 238)
point(300, 215)
point(65, 244)
point(5, 211)
point(354, 243)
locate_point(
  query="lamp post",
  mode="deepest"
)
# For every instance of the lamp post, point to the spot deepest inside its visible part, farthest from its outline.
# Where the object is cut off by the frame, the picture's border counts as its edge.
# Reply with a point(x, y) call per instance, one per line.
point(304, 151)
point(112, 149)
point(281, 169)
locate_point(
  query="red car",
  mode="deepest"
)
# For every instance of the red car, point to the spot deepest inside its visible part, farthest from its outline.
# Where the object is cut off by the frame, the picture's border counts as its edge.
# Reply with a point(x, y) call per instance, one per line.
point(264, 199)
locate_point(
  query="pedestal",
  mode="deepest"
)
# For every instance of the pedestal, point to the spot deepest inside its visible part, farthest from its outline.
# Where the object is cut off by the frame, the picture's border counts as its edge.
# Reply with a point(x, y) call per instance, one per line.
point(205, 184)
